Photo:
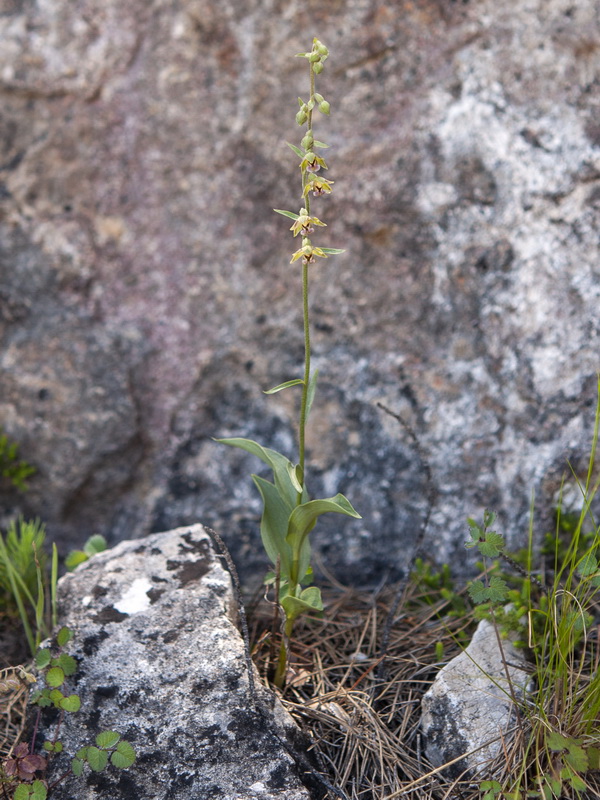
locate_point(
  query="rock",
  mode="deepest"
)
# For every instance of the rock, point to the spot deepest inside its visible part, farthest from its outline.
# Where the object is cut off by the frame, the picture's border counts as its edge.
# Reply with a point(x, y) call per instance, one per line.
point(469, 706)
point(162, 663)
point(142, 269)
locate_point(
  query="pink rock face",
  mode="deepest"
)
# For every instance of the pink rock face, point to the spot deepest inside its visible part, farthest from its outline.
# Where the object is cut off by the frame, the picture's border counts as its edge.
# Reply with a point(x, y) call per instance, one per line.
point(145, 287)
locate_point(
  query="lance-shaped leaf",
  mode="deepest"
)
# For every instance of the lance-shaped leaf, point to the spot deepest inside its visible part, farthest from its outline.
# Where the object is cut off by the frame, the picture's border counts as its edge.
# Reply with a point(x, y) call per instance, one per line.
point(289, 214)
point(273, 525)
point(278, 463)
point(286, 385)
point(332, 251)
point(296, 150)
point(302, 521)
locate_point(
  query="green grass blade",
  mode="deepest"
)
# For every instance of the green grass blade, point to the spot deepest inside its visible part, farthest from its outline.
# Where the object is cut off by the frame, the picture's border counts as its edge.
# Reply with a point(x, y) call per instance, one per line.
point(594, 441)
point(53, 584)
point(13, 579)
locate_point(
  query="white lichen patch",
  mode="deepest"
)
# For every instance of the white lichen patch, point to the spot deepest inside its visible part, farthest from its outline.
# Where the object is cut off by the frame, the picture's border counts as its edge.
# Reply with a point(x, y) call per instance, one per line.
point(135, 598)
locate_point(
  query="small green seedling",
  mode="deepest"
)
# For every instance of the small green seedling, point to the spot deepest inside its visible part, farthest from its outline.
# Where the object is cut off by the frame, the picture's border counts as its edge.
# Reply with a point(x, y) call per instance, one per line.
point(12, 469)
point(19, 771)
point(289, 514)
point(95, 544)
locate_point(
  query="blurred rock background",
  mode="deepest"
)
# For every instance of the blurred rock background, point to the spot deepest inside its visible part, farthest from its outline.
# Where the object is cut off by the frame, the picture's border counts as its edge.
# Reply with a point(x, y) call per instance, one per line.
point(146, 296)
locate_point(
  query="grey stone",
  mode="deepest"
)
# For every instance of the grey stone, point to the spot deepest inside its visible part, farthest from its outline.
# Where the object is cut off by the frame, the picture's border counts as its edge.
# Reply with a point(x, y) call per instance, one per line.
point(141, 152)
point(162, 663)
point(469, 710)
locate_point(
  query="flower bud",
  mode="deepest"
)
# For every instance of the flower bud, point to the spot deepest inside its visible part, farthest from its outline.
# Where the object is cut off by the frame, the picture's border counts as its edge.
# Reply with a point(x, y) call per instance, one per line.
point(314, 57)
point(308, 141)
point(317, 67)
point(321, 49)
point(301, 117)
point(324, 107)
point(318, 97)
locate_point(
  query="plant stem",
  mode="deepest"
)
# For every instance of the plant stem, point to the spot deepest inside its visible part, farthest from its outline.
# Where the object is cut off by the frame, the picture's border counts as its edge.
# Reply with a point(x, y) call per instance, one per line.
point(279, 678)
point(304, 401)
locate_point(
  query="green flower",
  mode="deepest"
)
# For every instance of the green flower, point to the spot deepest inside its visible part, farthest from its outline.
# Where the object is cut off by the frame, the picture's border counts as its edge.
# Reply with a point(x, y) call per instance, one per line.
point(317, 186)
point(304, 224)
point(312, 162)
point(307, 253)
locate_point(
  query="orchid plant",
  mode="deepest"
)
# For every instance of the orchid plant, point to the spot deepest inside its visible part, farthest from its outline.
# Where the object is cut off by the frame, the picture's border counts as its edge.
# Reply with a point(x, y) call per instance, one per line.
point(289, 514)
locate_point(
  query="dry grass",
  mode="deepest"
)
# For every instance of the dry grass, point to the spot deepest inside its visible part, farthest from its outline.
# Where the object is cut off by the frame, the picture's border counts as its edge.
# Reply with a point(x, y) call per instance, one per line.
point(14, 694)
point(363, 713)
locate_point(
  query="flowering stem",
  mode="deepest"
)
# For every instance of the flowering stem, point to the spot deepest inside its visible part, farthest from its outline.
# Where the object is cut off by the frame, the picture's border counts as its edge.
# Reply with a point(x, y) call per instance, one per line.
point(304, 401)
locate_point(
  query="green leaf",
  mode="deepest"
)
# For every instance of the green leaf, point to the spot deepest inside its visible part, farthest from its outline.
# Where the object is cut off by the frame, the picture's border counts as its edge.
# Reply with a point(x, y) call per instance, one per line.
point(309, 600)
point(31, 791)
point(39, 790)
point(319, 144)
point(478, 591)
point(277, 462)
point(67, 664)
point(488, 518)
point(588, 565)
point(56, 697)
point(296, 150)
point(573, 778)
point(55, 677)
point(310, 395)
point(77, 766)
point(287, 384)
point(53, 747)
point(72, 703)
point(95, 544)
point(494, 593)
point(493, 544)
point(556, 741)
point(312, 597)
point(475, 532)
point(43, 658)
point(96, 758)
point(594, 757)
point(289, 214)
point(64, 636)
point(491, 789)
point(295, 477)
point(124, 756)
point(497, 589)
point(40, 699)
point(107, 738)
point(332, 251)
point(273, 525)
point(302, 521)
point(74, 559)
point(576, 757)
point(304, 516)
